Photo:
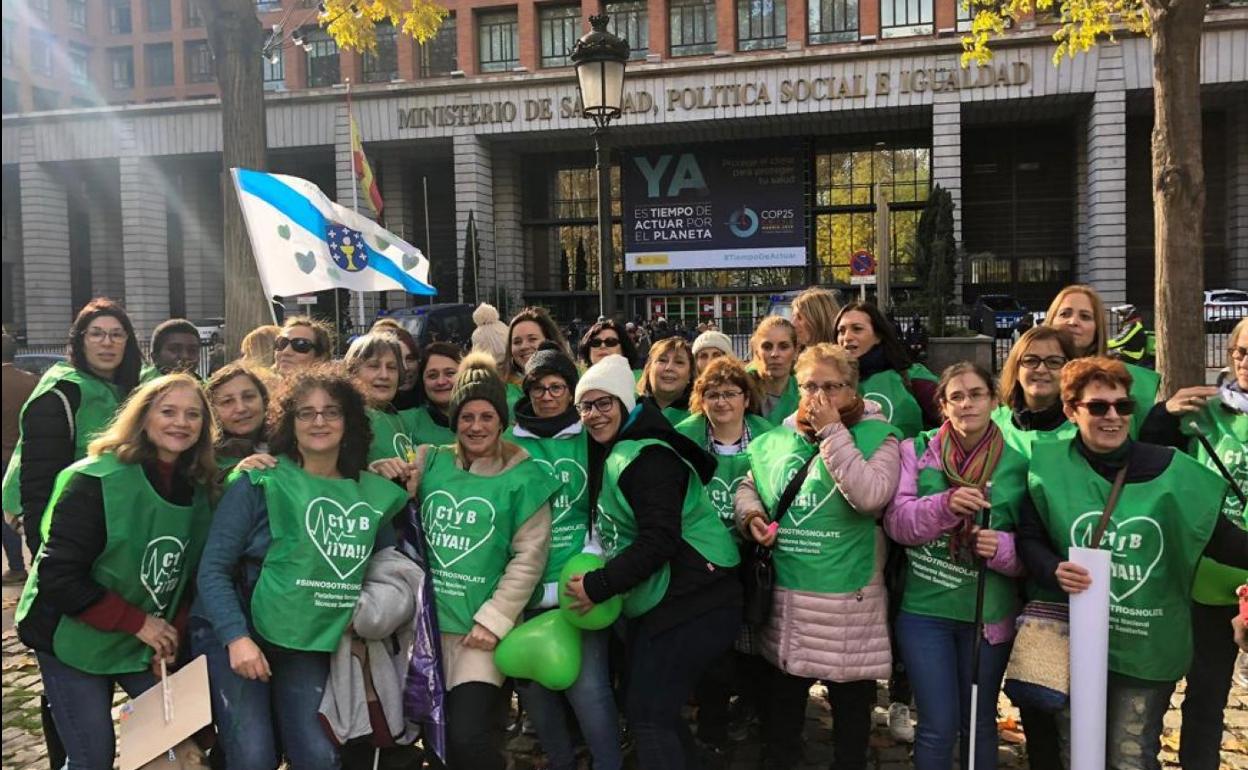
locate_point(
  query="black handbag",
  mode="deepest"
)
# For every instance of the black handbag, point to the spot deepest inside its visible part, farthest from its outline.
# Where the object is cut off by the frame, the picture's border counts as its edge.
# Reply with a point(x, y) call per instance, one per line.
point(758, 572)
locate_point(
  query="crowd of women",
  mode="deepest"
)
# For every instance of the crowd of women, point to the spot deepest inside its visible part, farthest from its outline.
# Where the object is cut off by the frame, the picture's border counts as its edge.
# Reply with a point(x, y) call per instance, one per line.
point(262, 519)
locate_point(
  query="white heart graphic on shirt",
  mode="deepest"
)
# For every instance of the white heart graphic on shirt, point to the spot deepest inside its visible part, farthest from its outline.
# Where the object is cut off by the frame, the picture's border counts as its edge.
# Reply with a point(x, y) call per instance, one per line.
point(785, 472)
point(574, 479)
point(1131, 543)
point(446, 518)
point(343, 536)
point(161, 569)
point(721, 493)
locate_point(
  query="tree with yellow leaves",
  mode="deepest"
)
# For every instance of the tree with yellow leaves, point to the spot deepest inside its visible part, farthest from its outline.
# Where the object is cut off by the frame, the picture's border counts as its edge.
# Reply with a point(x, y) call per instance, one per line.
point(1174, 27)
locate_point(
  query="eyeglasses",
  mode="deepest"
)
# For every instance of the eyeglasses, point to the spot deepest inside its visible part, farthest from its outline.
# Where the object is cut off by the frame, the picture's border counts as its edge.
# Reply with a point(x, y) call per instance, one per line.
point(605, 342)
point(1052, 363)
point(966, 398)
point(1239, 353)
point(828, 388)
point(297, 344)
point(96, 334)
point(604, 405)
point(554, 391)
point(1123, 406)
point(328, 414)
point(722, 395)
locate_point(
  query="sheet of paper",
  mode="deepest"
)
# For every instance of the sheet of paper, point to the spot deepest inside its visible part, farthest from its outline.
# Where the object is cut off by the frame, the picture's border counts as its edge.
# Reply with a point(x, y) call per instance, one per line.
point(1089, 662)
point(144, 732)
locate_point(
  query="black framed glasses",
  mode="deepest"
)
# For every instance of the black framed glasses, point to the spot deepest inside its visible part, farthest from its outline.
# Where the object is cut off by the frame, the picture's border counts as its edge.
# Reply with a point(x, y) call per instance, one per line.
point(556, 390)
point(297, 344)
point(1123, 406)
point(1052, 363)
point(309, 414)
point(603, 405)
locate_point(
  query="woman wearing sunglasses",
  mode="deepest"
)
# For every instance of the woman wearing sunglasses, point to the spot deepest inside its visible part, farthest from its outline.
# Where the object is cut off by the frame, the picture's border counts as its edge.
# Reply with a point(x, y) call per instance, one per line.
point(1168, 514)
point(830, 617)
point(1031, 399)
point(286, 556)
point(302, 342)
point(374, 363)
point(606, 338)
point(667, 378)
point(667, 555)
point(429, 423)
point(1079, 310)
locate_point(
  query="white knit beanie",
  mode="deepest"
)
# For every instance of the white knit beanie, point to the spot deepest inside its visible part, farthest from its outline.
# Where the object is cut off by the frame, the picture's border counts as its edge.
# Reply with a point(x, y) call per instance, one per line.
point(610, 375)
point(713, 339)
point(490, 336)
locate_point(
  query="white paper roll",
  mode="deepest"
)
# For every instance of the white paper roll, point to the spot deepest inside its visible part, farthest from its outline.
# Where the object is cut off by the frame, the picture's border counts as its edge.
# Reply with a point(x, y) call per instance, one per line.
point(1089, 662)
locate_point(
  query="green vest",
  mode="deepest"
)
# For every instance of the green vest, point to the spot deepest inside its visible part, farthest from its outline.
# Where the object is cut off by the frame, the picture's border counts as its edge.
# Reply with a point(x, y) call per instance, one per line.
point(469, 524)
point(565, 458)
point(1021, 440)
point(514, 394)
point(617, 525)
point(1144, 385)
point(730, 470)
point(675, 415)
point(423, 430)
point(887, 389)
point(150, 556)
point(390, 436)
point(824, 545)
point(920, 372)
point(1155, 535)
point(323, 535)
point(940, 587)
point(98, 400)
point(1228, 433)
point(148, 373)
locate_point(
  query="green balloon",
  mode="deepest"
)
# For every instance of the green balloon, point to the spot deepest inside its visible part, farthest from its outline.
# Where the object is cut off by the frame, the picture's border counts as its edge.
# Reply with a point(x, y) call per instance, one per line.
point(602, 615)
point(546, 649)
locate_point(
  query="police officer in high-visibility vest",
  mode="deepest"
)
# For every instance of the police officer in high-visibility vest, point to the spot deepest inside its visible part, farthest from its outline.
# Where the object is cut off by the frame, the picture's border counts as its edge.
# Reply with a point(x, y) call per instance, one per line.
point(122, 537)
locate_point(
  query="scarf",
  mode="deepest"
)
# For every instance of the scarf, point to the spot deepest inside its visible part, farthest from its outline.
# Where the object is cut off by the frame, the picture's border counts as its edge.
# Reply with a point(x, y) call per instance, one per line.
point(1049, 418)
point(968, 468)
point(542, 427)
point(1234, 397)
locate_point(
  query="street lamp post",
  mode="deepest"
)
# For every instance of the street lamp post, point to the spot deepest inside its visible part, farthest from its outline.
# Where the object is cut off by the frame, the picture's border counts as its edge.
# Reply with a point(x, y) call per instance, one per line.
point(600, 57)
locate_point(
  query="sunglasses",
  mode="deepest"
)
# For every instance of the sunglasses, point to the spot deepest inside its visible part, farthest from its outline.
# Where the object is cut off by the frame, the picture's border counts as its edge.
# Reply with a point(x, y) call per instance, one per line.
point(1123, 406)
point(605, 342)
point(297, 344)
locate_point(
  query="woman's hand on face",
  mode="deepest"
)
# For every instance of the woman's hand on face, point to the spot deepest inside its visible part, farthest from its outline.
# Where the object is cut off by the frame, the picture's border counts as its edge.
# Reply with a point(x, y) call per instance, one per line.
point(1188, 400)
point(480, 638)
point(258, 461)
point(1072, 578)
point(248, 661)
point(986, 543)
point(160, 636)
point(967, 501)
point(576, 589)
point(823, 412)
point(762, 531)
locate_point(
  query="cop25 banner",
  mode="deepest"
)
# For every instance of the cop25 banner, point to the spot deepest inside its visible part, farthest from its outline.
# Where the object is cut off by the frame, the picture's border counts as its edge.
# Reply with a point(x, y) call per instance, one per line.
point(713, 207)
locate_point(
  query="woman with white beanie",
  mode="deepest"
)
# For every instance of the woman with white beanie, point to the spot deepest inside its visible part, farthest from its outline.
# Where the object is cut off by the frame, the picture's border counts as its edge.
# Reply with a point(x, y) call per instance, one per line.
point(668, 555)
point(490, 336)
point(708, 346)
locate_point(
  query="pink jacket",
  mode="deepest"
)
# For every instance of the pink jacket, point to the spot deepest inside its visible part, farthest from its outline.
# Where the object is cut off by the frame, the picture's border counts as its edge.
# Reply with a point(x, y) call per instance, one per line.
point(837, 637)
point(912, 520)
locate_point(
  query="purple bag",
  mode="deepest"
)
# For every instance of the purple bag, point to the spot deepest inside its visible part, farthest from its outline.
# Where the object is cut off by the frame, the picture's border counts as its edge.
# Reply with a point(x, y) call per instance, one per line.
point(424, 692)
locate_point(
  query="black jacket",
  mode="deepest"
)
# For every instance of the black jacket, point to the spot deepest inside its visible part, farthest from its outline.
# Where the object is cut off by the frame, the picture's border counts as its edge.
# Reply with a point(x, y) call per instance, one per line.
point(47, 449)
point(655, 485)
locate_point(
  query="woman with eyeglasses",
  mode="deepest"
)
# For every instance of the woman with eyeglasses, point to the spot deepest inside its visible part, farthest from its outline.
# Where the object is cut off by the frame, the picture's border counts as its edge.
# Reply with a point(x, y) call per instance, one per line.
point(527, 331)
point(1220, 415)
point(485, 507)
point(1079, 310)
point(286, 556)
point(124, 531)
point(550, 430)
point(774, 348)
point(830, 616)
point(430, 423)
point(374, 363)
point(302, 342)
point(667, 556)
point(948, 476)
point(606, 338)
point(667, 378)
point(884, 368)
point(1031, 399)
point(240, 402)
point(1167, 515)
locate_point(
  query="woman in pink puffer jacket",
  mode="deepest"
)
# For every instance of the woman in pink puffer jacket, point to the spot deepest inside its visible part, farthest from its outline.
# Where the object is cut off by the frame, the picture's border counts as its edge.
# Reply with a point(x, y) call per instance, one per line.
point(829, 621)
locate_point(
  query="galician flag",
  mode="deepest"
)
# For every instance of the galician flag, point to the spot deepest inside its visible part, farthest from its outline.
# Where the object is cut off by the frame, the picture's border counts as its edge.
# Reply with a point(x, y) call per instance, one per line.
point(363, 171)
point(304, 242)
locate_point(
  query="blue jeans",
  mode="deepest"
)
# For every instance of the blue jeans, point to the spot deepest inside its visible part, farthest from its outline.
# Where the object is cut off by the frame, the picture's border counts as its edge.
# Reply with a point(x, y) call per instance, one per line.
point(82, 709)
point(1135, 717)
point(592, 702)
point(937, 653)
point(259, 721)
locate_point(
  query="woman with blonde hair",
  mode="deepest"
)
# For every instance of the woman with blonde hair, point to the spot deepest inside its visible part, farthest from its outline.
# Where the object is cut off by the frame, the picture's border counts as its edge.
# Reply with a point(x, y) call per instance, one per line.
point(302, 342)
point(123, 534)
point(257, 346)
point(814, 316)
point(774, 349)
point(667, 378)
point(1030, 389)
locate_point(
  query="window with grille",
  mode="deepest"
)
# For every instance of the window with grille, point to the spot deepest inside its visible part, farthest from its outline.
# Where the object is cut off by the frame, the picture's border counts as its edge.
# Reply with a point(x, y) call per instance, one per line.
point(159, 63)
point(119, 17)
point(79, 67)
point(191, 16)
point(121, 65)
point(901, 18)
point(832, 21)
point(382, 65)
point(159, 16)
point(560, 26)
point(561, 225)
point(761, 24)
point(438, 56)
point(497, 41)
point(199, 68)
point(691, 27)
point(45, 99)
point(322, 58)
point(630, 21)
point(41, 52)
point(273, 68)
point(76, 13)
point(41, 8)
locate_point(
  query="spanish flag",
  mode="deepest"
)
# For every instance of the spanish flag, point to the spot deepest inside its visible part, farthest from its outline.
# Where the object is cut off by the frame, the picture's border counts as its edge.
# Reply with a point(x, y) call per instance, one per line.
point(363, 171)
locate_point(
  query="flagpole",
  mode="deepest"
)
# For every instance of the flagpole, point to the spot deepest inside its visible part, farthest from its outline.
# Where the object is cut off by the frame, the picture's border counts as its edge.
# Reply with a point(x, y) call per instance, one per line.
point(424, 183)
point(355, 198)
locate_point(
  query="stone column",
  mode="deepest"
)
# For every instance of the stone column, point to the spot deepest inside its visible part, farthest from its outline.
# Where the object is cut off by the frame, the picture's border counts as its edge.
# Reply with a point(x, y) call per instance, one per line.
point(45, 251)
point(107, 255)
point(145, 242)
point(1103, 262)
point(474, 193)
point(512, 270)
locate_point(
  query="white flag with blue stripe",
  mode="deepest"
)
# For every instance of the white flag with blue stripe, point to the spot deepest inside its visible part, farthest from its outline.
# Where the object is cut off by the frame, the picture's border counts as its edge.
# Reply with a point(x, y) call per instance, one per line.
point(304, 242)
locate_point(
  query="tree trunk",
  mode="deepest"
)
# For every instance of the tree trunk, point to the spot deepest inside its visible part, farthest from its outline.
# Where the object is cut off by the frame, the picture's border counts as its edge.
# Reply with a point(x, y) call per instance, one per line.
point(1178, 192)
point(237, 38)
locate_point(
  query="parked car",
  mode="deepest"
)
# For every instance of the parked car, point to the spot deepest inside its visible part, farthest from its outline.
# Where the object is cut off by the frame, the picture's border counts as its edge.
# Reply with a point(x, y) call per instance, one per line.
point(446, 322)
point(1224, 308)
point(211, 331)
point(1001, 309)
point(37, 363)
